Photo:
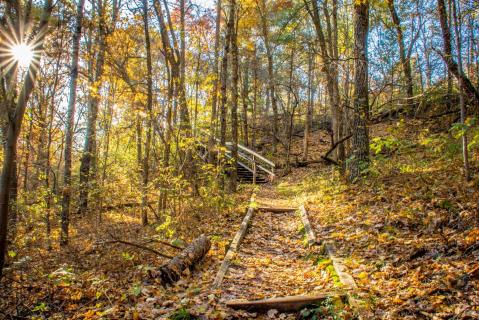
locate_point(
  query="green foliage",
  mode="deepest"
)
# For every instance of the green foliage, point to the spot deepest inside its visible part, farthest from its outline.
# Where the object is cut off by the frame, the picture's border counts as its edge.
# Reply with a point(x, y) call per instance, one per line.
point(63, 276)
point(330, 307)
point(182, 314)
point(135, 290)
point(42, 307)
point(442, 145)
point(384, 144)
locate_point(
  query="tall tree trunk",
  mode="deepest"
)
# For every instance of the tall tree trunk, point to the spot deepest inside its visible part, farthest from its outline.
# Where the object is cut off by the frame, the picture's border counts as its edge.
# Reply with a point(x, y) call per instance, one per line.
point(224, 79)
point(405, 60)
point(360, 140)
point(14, 128)
point(245, 98)
point(234, 97)
point(149, 110)
point(69, 127)
point(88, 159)
point(309, 111)
point(214, 93)
point(255, 100)
point(271, 76)
point(458, 31)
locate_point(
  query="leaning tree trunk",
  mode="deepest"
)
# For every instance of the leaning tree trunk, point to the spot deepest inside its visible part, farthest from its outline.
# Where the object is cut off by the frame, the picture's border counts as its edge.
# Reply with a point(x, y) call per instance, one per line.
point(360, 143)
point(469, 89)
point(171, 271)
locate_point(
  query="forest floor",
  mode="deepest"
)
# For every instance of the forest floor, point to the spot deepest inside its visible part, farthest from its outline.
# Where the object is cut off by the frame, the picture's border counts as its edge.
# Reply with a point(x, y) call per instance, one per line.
point(408, 234)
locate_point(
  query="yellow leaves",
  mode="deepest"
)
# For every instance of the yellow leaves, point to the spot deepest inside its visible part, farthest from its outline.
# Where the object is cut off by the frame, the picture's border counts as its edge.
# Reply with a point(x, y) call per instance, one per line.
point(472, 236)
point(360, 2)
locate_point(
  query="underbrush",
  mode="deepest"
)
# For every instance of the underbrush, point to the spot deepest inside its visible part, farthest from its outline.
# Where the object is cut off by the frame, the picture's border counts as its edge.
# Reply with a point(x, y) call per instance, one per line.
point(408, 230)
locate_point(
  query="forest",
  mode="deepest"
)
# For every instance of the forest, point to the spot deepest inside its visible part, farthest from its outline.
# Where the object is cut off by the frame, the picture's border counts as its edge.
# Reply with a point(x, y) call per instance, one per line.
point(239, 159)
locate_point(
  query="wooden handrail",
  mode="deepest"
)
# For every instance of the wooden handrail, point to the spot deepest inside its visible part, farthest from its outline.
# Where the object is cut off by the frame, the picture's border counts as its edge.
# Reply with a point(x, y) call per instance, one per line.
point(250, 156)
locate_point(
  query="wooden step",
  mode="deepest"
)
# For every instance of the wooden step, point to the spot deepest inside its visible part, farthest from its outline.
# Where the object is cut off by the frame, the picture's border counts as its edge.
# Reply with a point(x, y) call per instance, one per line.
point(282, 304)
point(276, 210)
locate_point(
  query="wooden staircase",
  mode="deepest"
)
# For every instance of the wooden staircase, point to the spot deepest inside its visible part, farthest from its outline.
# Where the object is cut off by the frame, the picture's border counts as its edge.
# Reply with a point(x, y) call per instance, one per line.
point(252, 168)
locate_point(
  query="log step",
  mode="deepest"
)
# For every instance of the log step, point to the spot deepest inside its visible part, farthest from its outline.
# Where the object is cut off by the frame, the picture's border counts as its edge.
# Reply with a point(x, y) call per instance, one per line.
point(282, 304)
point(276, 210)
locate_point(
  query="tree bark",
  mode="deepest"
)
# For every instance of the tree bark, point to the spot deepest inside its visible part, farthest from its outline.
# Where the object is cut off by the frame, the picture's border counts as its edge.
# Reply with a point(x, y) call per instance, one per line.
point(360, 141)
point(69, 127)
point(469, 89)
point(271, 77)
point(245, 98)
point(234, 97)
point(149, 111)
point(14, 128)
point(88, 159)
point(462, 104)
point(214, 93)
point(403, 55)
point(170, 272)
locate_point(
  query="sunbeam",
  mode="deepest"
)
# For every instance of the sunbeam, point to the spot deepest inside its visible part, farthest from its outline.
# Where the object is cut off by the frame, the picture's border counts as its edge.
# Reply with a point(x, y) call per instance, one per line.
point(22, 53)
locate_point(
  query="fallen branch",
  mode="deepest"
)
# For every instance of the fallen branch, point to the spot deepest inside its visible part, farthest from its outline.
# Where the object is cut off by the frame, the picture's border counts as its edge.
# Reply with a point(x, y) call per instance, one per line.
point(124, 206)
point(324, 158)
point(139, 246)
point(165, 243)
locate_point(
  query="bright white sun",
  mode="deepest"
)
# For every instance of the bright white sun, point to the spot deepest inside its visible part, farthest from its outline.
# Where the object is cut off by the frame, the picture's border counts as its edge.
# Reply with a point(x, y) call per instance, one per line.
point(22, 53)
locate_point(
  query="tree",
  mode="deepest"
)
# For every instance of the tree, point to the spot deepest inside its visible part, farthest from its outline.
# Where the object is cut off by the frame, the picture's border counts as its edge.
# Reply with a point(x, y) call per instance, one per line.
point(69, 126)
point(149, 112)
point(360, 141)
point(234, 95)
point(88, 159)
point(404, 56)
point(15, 117)
point(263, 12)
point(469, 89)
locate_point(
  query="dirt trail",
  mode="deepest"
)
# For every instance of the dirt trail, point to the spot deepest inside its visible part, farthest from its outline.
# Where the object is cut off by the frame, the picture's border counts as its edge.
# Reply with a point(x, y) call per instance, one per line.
point(273, 259)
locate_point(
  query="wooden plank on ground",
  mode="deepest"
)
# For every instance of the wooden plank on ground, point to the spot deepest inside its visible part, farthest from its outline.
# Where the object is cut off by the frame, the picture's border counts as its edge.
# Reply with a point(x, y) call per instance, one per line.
point(282, 304)
point(307, 226)
point(233, 248)
point(346, 279)
point(275, 210)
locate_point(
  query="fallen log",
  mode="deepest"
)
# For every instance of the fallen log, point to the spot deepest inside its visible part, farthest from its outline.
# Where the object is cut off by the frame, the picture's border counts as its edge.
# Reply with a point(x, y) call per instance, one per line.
point(124, 206)
point(275, 210)
point(171, 271)
point(282, 304)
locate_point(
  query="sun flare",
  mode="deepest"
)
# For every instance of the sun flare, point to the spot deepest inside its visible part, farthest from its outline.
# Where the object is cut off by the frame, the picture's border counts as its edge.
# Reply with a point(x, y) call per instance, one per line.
point(22, 53)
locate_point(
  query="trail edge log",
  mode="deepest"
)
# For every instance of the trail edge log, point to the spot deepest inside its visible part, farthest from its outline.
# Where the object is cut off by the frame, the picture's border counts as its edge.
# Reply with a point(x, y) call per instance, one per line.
point(234, 247)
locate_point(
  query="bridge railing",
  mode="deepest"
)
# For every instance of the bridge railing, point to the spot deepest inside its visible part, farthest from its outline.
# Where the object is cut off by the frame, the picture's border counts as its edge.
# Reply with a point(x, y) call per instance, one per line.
point(254, 161)
point(250, 159)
